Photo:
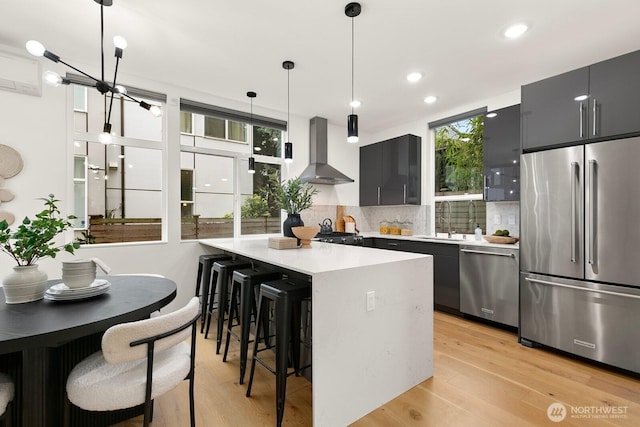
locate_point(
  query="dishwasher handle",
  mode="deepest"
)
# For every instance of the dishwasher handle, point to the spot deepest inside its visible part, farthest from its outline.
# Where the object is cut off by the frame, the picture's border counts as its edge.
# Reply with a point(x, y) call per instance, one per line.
point(473, 251)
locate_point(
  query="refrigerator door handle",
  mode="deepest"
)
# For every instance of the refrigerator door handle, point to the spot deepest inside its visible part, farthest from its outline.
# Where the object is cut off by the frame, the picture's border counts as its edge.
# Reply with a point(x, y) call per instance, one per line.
point(580, 288)
point(593, 194)
point(574, 210)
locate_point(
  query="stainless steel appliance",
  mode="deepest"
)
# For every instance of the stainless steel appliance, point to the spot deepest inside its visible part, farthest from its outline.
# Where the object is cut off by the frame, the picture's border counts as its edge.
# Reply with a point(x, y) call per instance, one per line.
point(580, 251)
point(341, 238)
point(489, 283)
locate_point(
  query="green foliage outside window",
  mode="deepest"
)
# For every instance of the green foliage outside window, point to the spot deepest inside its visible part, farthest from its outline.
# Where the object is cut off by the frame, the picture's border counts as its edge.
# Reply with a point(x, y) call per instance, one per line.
point(458, 157)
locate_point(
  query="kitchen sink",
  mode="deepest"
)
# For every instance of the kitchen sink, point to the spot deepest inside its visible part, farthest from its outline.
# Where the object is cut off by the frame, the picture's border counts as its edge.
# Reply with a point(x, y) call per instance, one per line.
point(456, 238)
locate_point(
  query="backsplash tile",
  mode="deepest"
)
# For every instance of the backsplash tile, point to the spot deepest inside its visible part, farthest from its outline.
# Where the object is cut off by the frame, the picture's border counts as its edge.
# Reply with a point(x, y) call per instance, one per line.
point(508, 216)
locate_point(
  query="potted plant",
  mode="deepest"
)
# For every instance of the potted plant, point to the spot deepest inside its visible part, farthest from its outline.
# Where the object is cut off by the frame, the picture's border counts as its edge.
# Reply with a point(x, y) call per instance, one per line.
point(29, 242)
point(294, 196)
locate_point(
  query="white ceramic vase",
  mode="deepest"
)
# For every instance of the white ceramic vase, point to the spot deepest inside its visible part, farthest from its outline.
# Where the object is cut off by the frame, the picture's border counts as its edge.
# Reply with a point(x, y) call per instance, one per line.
point(25, 284)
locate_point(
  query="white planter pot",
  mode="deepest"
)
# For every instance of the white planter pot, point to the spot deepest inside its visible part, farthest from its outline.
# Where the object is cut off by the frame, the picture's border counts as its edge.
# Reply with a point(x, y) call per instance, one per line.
point(27, 283)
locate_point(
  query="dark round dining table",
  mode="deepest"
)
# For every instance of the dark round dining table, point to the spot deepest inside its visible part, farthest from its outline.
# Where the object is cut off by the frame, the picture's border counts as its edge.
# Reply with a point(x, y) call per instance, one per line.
point(41, 341)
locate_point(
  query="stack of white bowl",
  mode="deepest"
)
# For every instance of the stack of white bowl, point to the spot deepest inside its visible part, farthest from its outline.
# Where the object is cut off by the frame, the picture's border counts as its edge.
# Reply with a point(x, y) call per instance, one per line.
point(78, 273)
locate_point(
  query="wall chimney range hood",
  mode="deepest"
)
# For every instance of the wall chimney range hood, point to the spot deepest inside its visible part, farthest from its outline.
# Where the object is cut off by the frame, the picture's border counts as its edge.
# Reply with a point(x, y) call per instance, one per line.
point(319, 171)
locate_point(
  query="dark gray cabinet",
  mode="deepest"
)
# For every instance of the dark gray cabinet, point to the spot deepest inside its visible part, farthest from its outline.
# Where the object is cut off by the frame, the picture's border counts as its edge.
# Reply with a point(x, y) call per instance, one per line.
point(390, 172)
point(550, 114)
point(501, 155)
point(446, 268)
point(585, 105)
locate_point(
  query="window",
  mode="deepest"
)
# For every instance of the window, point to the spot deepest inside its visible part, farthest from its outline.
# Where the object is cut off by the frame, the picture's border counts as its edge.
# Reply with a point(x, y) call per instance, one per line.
point(118, 194)
point(458, 173)
point(458, 157)
point(219, 198)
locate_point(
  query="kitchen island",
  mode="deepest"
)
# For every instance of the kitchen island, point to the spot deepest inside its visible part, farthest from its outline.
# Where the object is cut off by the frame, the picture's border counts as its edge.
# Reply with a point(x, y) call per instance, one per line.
point(361, 358)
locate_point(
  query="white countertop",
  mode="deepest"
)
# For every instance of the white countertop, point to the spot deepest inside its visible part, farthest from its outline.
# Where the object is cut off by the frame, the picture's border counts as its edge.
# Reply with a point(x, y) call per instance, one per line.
point(320, 258)
point(469, 240)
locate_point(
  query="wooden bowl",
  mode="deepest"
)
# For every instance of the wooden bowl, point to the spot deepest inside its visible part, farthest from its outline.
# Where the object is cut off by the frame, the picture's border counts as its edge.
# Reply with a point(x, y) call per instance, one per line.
point(305, 234)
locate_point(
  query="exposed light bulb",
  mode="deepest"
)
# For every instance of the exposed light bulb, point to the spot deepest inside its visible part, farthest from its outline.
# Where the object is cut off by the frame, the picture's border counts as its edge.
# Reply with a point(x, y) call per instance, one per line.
point(352, 139)
point(52, 78)
point(35, 48)
point(105, 138)
point(156, 110)
point(120, 42)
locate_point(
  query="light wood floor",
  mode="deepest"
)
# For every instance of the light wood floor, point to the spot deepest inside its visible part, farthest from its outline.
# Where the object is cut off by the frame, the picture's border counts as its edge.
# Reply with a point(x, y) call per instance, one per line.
point(482, 377)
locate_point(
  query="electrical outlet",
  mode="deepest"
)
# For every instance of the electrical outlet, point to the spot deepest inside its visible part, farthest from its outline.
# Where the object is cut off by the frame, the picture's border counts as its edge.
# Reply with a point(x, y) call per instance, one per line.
point(497, 219)
point(371, 300)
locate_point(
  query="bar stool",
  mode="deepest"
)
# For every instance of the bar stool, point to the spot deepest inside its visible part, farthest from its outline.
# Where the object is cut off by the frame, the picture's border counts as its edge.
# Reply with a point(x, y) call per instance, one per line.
point(287, 295)
point(224, 270)
point(205, 266)
point(242, 288)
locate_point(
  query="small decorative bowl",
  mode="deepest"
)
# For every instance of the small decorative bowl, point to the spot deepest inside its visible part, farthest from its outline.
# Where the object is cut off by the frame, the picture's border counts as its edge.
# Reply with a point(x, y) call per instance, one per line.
point(305, 234)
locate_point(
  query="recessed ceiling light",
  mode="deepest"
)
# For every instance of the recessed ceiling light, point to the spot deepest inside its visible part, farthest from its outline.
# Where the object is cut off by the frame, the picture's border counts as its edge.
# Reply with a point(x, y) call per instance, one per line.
point(355, 103)
point(414, 77)
point(430, 99)
point(516, 30)
point(491, 115)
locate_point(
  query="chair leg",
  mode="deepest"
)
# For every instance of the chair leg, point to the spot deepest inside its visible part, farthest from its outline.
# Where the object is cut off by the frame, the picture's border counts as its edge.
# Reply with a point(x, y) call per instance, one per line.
point(255, 346)
point(283, 322)
point(232, 310)
point(192, 408)
point(222, 306)
point(216, 285)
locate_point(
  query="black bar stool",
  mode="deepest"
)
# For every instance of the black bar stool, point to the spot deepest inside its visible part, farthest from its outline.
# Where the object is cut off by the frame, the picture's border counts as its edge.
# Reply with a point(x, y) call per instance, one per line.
point(242, 288)
point(224, 269)
point(205, 267)
point(287, 295)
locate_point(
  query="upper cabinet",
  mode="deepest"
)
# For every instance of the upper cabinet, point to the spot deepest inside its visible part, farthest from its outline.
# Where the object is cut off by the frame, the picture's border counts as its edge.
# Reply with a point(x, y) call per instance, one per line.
point(501, 155)
point(390, 172)
point(589, 104)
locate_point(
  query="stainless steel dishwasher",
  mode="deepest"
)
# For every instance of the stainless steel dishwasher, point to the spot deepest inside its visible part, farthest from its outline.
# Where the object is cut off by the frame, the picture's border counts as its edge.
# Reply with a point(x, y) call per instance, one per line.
point(489, 283)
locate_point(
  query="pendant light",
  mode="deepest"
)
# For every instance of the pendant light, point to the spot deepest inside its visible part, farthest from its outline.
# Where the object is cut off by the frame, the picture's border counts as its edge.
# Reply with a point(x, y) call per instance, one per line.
point(36, 48)
point(352, 10)
point(252, 161)
point(288, 146)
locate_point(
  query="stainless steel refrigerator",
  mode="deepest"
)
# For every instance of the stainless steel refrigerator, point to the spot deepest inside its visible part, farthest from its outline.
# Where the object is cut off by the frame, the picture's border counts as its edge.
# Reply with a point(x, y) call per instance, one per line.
point(580, 251)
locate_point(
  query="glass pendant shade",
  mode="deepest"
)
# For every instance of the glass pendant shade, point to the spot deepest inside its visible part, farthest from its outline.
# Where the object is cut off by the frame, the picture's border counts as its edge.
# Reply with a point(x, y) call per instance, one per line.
point(352, 128)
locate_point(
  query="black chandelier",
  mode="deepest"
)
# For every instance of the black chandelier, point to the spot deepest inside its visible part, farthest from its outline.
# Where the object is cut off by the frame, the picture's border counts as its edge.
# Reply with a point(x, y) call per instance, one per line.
point(288, 146)
point(108, 89)
point(252, 160)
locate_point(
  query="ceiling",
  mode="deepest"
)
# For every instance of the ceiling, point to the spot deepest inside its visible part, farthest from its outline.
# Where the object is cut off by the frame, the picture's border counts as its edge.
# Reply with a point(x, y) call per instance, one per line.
point(228, 47)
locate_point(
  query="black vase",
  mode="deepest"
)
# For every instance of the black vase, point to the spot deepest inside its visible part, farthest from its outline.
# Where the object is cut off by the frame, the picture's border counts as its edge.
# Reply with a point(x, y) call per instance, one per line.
point(293, 220)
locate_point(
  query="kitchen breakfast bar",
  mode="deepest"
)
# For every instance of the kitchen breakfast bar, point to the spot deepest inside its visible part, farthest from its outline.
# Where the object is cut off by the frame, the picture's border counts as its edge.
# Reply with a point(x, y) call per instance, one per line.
point(362, 356)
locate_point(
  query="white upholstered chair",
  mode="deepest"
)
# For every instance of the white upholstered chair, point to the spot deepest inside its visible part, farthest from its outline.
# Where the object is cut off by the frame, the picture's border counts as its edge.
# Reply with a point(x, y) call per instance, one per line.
point(7, 391)
point(139, 361)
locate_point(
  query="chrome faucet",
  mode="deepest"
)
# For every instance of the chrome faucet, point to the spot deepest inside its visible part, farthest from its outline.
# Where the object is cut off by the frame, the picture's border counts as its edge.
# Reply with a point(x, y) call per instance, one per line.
point(473, 214)
point(448, 219)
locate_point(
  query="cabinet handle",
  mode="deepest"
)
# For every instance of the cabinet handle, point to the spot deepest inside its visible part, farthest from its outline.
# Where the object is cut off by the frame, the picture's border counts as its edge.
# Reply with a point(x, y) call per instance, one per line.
point(404, 193)
point(471, 251)
point(485, 190)
point(581, 120)
point(580, 288)
point(574, 209)
point(378, 195)
point(392, 244)
point(595, 117)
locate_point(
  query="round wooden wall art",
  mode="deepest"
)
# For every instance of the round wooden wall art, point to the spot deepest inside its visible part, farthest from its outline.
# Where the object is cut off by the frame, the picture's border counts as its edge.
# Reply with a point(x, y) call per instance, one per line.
point(10, 162)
